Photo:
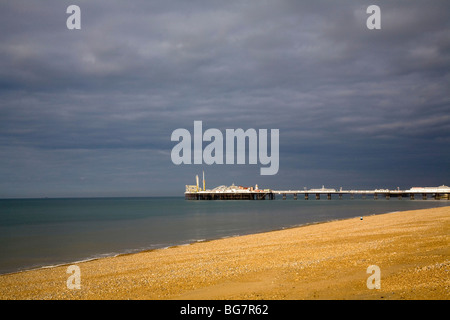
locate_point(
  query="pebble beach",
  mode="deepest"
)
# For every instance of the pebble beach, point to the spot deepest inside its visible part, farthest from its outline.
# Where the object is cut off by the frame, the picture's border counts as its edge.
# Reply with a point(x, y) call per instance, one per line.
point(319, 261)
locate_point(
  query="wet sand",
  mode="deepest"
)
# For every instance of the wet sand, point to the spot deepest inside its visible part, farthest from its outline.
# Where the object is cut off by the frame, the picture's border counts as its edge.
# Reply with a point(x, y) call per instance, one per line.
point(320, 261)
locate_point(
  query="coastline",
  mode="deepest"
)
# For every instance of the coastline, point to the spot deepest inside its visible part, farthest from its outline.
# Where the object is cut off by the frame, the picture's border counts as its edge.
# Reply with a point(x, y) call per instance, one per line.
point(193, 241)
point(137, 251)
point(324, 260)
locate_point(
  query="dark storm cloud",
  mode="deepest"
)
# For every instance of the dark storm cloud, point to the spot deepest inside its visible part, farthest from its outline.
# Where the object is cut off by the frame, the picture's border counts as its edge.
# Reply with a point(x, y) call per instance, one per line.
point(347, 100)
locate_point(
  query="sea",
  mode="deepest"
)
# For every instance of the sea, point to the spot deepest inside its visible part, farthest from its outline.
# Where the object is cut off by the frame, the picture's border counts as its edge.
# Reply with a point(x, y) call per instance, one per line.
point(41, 233)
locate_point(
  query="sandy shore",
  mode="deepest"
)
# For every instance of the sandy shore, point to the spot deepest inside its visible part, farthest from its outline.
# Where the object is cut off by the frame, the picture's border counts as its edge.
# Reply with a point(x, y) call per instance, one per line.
point(322, 261)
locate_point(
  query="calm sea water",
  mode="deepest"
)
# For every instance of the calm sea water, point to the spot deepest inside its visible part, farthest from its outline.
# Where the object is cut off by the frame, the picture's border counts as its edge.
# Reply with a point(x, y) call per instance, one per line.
point(43, 232)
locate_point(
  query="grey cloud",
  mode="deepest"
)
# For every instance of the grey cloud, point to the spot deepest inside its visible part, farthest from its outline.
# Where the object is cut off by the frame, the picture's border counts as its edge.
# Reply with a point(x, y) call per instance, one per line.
point(137, 71)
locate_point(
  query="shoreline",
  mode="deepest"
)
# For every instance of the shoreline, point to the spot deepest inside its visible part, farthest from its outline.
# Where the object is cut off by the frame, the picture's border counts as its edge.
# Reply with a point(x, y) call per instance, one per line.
point(262, 265)
point(137, 251)
point(149, 247)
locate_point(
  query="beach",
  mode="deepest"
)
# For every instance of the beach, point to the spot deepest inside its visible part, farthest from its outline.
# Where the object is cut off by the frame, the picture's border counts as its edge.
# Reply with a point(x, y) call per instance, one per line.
point(319, 261)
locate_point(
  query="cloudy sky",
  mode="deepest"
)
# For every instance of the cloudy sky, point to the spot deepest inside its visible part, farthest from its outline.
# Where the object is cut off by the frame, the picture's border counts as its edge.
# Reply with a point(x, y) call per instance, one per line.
point(90, 112)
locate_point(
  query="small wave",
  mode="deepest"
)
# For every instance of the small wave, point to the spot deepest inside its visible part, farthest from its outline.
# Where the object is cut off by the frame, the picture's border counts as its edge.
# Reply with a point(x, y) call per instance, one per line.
point(196, 240)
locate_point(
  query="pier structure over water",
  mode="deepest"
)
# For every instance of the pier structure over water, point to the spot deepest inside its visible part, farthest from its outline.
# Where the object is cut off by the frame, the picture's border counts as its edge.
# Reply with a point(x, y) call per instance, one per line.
point(423, 193)
point(195, 192)
point(230, 193)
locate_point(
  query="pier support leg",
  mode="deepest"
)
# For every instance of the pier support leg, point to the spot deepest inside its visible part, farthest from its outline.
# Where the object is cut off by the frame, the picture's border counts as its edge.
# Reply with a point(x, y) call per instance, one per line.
point(284, 196)
point(329, 196)
point(375, 196)
point(388, 196)
point(400, 196)
point(424, 196)
point(411, 196)
point(317, 196)
point(295, 196)
point(340, 196)
point(306, 196)
point(352, 196)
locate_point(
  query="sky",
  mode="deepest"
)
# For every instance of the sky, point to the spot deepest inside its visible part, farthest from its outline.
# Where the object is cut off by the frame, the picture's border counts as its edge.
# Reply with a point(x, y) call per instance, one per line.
point(90, 112)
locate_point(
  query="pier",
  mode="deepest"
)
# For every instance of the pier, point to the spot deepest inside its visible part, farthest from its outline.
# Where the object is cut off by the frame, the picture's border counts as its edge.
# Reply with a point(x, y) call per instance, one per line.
point(422, 193)
point(230, 196)
point(195, 192)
